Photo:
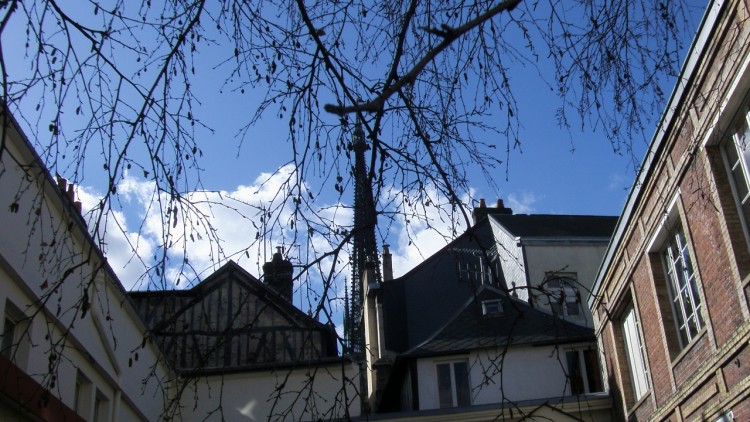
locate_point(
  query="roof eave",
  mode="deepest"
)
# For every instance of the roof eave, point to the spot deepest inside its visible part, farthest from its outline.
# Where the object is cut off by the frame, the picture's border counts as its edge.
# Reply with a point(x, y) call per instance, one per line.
point(693, 59)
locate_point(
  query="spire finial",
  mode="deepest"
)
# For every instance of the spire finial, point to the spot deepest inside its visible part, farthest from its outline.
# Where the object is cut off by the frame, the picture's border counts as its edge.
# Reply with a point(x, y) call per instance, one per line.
point(358, 137)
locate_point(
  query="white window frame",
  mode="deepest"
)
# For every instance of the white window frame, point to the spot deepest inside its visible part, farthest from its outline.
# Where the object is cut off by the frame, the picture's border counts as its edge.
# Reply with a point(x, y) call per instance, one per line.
point(101, 407)
point(473, 267)
point(15, 343)
point(82, 403)
point(669, 239)
point(635, 352)
point(492, 307)
point(735, 151)
point(565, 294)
point(725, 417)
point(9, 336)
point(578, 356)
point(455, 399)
point(683, 286)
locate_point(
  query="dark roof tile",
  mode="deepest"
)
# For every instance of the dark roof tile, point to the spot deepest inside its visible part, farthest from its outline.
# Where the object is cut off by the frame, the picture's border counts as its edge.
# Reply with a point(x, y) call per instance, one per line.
point(547, 225)
point(517, 324)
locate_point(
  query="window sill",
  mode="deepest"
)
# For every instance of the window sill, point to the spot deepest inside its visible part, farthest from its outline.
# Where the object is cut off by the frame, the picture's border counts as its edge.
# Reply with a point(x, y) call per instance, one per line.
point(745, 283)
point(746, 280)
point(632, 409)
point(676, 361)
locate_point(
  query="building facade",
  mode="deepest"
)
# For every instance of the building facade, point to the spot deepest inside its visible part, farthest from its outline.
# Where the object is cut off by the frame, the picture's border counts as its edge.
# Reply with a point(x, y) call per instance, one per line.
point(452, 340)
point(243, 350)
point(75, 346)
point(670, 302)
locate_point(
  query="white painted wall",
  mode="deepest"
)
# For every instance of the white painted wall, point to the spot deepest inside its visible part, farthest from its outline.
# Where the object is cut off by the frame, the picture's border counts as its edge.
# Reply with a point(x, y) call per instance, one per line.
point(528, 373)
point(46, 265)
point(36, 250)
point(582, 258)
point(323, 393)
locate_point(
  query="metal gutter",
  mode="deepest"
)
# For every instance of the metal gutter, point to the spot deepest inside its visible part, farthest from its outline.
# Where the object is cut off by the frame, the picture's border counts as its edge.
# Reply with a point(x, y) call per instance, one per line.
point(689, 69)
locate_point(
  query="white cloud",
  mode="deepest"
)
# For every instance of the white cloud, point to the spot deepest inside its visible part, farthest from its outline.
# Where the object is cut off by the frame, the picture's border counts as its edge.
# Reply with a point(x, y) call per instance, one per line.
point(212, 227)
point(117, 242)
point(431, 225)
point(215, 226)
point(617, 181)
point(523, 203)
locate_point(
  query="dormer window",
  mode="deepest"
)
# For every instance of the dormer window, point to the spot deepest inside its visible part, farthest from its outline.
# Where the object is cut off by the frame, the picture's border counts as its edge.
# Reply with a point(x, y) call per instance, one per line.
point(562, 294)
point(492, 307)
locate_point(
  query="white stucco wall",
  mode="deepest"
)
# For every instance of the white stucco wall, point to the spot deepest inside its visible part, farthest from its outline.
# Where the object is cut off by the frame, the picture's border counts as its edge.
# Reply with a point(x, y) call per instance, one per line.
point(528, 373)
point(47, 265)
point(46, 268)
point(582, 258)
point(326, 392)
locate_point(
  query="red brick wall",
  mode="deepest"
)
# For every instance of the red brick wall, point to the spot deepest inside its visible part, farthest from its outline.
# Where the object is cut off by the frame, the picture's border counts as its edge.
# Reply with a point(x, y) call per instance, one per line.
point(719, 280)
point(648, 315)
point(742, 410)
point(737, 367)
point(727, 207)
point(707, 376)
point(696, 354)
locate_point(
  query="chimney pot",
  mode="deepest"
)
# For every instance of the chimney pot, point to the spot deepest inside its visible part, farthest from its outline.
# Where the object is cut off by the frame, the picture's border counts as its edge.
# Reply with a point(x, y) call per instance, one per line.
point(279, 275)
point(482, 210)
point(71, 192)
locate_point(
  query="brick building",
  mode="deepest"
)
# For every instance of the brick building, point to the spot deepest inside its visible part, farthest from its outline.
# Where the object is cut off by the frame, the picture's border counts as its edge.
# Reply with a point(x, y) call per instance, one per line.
point(671, 298)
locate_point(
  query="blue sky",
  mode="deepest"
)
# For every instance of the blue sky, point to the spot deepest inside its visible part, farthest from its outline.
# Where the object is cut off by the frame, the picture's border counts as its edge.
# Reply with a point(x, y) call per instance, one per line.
point(555, 171)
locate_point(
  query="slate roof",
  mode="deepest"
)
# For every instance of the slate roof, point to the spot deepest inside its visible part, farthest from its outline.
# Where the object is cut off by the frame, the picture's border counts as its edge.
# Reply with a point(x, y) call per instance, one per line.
point(517, 324)
point(415, 304)
point(547, 225)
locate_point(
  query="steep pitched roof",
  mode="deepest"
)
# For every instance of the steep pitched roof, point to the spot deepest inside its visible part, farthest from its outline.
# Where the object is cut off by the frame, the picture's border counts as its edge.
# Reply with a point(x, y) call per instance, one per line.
point(232, 321)
point(477, 236)
point(171, 303)
point(517, 324)
point(415, 304)
point(547, 225)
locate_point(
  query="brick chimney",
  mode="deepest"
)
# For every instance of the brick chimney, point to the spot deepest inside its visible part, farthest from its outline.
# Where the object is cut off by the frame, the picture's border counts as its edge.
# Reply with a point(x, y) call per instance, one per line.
point(278, 275)
point(483, 210)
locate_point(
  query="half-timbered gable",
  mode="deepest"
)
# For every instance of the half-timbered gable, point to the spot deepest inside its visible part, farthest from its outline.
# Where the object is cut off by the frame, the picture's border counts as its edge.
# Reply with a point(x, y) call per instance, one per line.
point(231, 320)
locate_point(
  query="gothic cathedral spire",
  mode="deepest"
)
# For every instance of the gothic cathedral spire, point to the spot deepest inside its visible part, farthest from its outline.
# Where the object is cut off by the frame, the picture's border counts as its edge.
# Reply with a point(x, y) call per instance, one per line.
point(364, 248)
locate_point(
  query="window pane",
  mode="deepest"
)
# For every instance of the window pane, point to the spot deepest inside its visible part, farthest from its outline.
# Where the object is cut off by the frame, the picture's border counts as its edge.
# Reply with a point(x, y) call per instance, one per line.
point(740, 183)
point(463, 394)
point(734, 148)
point(571, 301)
point(741, 138)
point(635, 354)
point(9, 330)
point(97, 409)
point(445, 390)
point(683, 287)
point(562, 296)
point(574, 372)
point(593, 371)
